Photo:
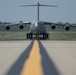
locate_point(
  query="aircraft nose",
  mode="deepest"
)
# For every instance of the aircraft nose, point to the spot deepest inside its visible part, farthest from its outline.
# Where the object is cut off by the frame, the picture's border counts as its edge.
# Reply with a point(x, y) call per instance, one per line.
point(36, 25)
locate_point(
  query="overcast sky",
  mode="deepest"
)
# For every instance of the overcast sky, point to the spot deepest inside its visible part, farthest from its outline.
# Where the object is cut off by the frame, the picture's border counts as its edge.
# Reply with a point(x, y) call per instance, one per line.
point(65, 12)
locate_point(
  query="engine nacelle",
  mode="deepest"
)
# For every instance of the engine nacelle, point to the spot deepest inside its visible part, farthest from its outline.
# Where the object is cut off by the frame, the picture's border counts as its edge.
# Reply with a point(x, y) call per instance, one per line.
point(67, 28)
point(21, 26)
point(7, 27)
point(53, 27)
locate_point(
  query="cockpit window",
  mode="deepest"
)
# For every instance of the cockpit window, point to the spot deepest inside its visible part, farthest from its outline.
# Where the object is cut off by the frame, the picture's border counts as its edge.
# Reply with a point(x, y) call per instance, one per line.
point(36, 24)
point(39, 23)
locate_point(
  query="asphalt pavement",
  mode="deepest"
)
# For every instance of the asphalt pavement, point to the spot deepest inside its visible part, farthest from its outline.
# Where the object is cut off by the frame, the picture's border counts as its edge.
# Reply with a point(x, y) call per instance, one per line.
point(57, 57)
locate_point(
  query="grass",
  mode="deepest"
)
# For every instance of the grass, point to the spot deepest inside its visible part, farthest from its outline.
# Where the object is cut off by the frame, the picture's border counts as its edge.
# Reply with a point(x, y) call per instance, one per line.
point(12, 35)
point(63, 35)
point(21, 35)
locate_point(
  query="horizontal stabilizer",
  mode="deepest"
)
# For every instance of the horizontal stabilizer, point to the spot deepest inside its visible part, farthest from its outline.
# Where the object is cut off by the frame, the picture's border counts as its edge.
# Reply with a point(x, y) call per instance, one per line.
point(26, 5)
point(38, 4)
point(49, 5)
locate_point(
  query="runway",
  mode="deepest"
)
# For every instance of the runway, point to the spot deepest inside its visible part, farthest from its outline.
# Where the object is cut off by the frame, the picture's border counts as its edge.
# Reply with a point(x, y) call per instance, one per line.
point(45, 57)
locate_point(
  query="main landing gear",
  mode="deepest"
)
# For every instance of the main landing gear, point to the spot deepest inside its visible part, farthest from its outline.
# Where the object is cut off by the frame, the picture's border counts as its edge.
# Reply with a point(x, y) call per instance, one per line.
point(37, 35)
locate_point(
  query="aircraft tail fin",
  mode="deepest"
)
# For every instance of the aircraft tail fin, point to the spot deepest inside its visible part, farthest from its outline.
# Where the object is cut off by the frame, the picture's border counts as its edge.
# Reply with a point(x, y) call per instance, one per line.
point(38, 5)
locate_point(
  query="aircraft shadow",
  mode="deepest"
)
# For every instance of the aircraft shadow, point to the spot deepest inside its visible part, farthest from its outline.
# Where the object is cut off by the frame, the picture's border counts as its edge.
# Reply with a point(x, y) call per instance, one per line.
point(47, 64)
point(17, 67)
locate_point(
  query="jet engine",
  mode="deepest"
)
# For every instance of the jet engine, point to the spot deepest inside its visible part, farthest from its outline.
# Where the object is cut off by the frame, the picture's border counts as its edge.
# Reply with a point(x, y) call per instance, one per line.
point(7, 27)
point(67, 28)
point(53, 27)
point(21, 26)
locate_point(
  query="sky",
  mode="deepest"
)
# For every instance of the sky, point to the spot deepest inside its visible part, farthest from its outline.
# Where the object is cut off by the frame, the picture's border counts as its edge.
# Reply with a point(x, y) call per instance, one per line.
point(11, 12)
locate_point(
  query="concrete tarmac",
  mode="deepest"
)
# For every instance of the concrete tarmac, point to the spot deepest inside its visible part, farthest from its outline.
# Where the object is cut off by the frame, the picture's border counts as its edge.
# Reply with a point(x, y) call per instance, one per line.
point(63, 55)
point(58, 57)
point(10, 51)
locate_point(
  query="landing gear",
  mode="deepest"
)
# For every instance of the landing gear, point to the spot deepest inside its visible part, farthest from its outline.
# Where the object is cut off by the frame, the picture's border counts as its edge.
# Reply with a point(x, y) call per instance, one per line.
point(29, 36)
point(45, 36)
point(37, 35)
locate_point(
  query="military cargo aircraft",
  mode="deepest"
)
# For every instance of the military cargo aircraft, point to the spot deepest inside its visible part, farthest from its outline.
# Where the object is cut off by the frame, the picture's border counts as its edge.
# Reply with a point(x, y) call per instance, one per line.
point(37, 28)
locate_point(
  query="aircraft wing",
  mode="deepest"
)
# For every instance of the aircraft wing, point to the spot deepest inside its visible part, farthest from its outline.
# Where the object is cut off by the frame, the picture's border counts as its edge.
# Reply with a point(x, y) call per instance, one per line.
point(58, 24)
point(26, 23)
point(65, 25)
point(21, 25)
point(47, 23)
point(51, 23)
point(54, 25)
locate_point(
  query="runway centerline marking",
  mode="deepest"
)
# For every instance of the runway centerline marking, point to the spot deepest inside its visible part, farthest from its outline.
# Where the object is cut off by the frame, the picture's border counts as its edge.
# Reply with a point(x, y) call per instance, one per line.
point(32, 65)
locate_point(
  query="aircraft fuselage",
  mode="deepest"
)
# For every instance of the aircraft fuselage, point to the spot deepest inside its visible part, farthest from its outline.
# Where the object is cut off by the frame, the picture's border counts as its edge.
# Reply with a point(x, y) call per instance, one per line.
point(37, 27)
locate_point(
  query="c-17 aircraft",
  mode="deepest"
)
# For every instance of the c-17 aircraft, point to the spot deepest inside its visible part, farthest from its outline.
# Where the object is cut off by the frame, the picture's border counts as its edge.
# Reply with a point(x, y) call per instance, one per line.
point(37, 29)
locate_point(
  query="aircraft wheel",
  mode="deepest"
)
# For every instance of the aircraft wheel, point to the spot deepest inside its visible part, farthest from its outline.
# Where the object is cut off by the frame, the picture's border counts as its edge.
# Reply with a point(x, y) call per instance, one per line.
point(27, 36)
point(47, 36)
point(43, 36)
point(31, 36)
